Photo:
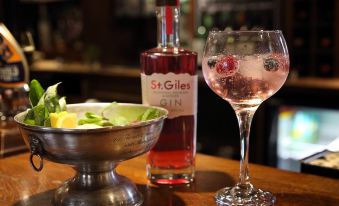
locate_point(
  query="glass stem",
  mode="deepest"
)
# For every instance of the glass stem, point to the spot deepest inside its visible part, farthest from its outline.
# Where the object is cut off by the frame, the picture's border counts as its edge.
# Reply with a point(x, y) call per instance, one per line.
point(245, 117)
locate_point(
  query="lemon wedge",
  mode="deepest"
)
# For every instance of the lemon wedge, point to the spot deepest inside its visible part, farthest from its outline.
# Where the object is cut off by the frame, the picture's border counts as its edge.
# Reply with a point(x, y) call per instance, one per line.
point(63, 120)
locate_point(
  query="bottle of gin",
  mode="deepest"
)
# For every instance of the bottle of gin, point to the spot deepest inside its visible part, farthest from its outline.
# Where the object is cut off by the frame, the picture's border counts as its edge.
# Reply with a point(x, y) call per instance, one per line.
point(13, 85)
point(169, 80)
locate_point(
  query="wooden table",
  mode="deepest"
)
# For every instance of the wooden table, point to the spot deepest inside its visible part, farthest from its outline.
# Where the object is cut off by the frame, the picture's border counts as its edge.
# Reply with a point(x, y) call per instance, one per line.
point(21, 186)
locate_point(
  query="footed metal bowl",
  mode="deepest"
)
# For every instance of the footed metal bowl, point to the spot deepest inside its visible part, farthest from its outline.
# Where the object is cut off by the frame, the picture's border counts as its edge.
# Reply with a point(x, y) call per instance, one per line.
point(94, 154)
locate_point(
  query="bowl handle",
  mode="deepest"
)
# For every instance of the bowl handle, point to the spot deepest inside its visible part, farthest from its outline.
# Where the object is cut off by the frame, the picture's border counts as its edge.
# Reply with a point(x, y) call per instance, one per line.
point(36, 151)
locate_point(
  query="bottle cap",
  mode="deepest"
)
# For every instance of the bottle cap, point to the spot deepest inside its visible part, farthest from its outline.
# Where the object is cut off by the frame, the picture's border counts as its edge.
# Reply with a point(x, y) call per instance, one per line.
point(167, 2)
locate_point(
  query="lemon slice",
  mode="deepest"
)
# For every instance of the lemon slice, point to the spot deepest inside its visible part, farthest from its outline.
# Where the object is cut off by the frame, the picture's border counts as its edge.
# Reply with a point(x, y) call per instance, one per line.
point(63, 120)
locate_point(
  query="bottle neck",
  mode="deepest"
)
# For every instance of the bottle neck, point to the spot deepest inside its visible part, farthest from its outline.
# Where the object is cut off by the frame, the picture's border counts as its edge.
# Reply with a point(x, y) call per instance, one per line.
point(168, 26)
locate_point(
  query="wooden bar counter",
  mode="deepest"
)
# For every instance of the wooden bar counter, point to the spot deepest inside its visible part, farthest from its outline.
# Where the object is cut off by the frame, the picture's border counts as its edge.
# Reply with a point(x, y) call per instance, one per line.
point(21, 186)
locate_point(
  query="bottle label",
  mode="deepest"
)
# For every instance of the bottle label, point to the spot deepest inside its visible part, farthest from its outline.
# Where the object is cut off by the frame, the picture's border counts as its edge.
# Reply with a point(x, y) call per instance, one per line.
point(175, 92)
point(12, 68)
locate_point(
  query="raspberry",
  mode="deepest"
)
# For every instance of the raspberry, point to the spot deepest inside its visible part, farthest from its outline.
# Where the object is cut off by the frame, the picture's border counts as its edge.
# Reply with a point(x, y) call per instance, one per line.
point(227, 66)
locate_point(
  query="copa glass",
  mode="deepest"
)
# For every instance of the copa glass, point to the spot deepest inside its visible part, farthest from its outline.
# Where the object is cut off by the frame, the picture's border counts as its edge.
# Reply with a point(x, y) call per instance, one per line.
point(245, 68)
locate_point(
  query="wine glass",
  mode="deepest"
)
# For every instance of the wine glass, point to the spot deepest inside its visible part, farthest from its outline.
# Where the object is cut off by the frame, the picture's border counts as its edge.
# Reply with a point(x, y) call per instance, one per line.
point(245, 68)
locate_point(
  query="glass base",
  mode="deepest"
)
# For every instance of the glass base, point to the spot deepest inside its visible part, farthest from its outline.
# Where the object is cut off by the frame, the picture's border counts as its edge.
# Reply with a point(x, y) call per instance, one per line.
point(241, 195)
point(170, 176)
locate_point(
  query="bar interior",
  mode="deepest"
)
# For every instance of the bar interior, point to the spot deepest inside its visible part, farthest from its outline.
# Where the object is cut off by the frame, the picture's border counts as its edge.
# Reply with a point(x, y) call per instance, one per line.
point(132, 125)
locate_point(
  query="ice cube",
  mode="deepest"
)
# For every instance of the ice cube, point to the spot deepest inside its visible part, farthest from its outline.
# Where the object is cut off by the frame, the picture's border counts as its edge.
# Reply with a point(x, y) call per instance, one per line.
point(251, 66)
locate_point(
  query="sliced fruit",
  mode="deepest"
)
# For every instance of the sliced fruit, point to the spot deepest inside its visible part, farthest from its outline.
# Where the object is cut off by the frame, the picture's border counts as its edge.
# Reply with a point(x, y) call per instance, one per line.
point(63, 120)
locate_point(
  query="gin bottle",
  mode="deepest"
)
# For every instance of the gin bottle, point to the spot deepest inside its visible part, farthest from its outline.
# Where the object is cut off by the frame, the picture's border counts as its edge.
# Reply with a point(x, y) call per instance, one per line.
point(169, 80)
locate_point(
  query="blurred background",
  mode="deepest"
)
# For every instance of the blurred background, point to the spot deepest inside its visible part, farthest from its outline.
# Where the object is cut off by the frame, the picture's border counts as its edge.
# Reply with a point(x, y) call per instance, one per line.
point(83, 42)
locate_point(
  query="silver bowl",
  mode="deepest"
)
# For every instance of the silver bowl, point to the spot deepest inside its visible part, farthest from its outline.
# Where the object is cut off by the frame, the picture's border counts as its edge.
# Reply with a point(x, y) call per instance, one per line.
point(94, 154)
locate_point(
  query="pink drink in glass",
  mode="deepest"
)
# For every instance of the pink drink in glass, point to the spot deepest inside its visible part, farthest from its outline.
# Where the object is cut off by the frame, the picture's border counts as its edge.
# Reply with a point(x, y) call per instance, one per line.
point(245, 80)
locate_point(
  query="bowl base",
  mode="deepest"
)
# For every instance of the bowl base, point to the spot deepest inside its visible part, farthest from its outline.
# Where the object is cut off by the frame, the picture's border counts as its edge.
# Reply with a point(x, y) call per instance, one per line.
point(98, 189)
